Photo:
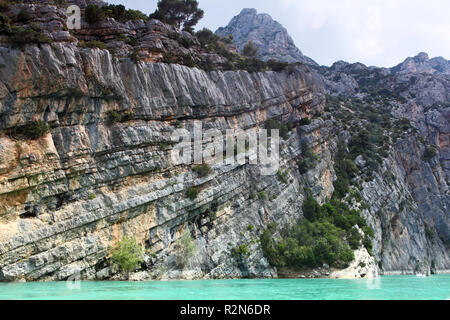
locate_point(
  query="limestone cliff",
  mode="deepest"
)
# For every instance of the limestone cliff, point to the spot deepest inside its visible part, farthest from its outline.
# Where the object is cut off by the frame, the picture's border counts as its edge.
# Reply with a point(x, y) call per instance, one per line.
point(68, 196)
point(104, 169)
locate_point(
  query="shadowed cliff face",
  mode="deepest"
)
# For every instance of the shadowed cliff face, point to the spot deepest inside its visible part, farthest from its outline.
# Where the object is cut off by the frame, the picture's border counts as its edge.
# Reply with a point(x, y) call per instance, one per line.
point(104, 170)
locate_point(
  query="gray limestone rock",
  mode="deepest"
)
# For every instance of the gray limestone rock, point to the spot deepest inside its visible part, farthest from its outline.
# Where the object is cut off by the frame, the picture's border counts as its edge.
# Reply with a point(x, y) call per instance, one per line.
point(271, 38)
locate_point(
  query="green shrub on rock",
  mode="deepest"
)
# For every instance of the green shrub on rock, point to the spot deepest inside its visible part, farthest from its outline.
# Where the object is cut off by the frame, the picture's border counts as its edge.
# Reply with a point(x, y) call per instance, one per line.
point(430, 153)
point(33, 130)
point(311, 209)
point(185, 249)
point(61, 3)
point(326, 235)
point(94, 14)
point(127, 255)
point(192, 193)
point(305, 122)
point(202, 170)
point(114, 117)
point(19, 36)
point(240, 252)
point(23, 17)
point(277, 66)
point(308, 160)
point(121, 14)
point(284, 129)
point(250, 50)
point(96, 44)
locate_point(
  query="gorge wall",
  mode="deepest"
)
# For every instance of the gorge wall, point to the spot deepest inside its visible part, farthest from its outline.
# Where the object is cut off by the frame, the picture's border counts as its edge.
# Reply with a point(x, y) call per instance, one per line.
point(69, 196)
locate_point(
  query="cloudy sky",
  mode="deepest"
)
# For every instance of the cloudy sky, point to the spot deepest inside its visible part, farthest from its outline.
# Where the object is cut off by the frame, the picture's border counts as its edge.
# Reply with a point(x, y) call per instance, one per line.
point(374, 32)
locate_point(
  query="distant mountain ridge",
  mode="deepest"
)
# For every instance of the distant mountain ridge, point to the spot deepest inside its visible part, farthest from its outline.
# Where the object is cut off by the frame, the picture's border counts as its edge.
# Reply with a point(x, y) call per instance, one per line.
point(423, 64)
point(274, 42)
point(271, 38)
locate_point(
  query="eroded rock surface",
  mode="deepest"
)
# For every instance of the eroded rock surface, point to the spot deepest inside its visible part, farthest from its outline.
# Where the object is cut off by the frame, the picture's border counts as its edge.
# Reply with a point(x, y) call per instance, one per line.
point(271, 38)
point(105, 171)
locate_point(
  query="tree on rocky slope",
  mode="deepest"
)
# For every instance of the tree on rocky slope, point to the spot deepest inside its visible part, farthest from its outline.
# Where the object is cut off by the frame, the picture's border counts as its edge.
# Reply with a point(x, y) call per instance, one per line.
point(127, 255)
point(94, 14)
point(250, 50)
point(184, 14)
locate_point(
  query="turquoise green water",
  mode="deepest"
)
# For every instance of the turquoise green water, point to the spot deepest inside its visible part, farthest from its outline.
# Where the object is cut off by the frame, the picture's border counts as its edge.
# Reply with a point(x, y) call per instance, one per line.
point(385, 288)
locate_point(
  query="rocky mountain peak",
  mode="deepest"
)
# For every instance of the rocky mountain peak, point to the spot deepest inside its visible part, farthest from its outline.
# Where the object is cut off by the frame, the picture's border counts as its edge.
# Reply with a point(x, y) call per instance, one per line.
point(248, 11)
point(422, 63)
point(422, 57)
point(272, 39)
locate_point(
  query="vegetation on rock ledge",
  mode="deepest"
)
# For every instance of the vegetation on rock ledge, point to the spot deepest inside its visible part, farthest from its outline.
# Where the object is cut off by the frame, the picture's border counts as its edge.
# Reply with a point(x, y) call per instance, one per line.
point(127, 256)
point(33, 130)
point(327, 234)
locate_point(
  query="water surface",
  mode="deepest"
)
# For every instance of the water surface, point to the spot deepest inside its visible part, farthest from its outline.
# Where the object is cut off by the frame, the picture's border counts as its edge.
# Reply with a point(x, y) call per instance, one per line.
point(436, 287)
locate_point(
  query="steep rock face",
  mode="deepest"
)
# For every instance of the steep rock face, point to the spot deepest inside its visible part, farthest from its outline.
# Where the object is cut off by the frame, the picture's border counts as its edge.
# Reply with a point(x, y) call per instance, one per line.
point(70, 195)
point(271, 38)
point(104, 170)
point(410, 211)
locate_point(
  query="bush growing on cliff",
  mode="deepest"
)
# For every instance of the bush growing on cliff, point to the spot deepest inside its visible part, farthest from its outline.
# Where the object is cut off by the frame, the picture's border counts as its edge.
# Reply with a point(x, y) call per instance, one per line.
point(121, 14)
point(327, 235)
point(114, 117)
point(273, 124)
point(61, 3)
point(93, 44)
point(403, 124)
point(311, 209)
point(283, 176)
point(158, 16)
point(33, 130)
point(183, 14)
point(240, 252)
point(134, 56)
point(308, 160)
point(185, 249)
point(308, 245)
point(33, 34)
point(250, 50)
point(192, 193)
point(94, 14)
point(430, 153)
point(304, 122)
point(23, 17)
point(346, 170)
point(359, 143)
point(202, 170)
point(262, 195)
point(277, 66)
point(127, 255)
point(251, 65)
point(207, 37)
point(19, 36)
